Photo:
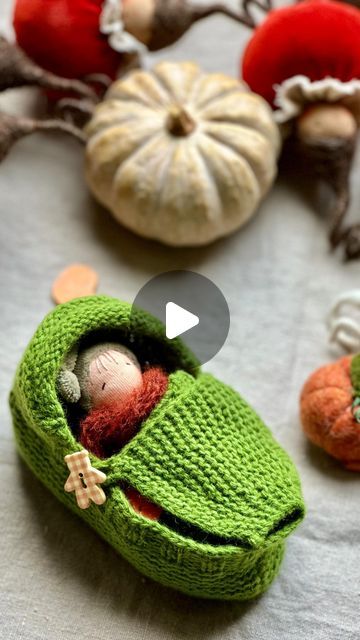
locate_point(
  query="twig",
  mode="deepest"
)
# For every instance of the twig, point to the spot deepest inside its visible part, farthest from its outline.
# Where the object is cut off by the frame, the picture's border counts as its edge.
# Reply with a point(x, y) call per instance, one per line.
point(14, 128)
point(17, 70)
point(244, 17)
point(77, 112)
point(350, 239)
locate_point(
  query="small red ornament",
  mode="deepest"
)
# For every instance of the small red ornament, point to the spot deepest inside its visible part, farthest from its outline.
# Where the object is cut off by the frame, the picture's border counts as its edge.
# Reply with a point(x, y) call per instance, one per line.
point(64, 37)
point(315, 38)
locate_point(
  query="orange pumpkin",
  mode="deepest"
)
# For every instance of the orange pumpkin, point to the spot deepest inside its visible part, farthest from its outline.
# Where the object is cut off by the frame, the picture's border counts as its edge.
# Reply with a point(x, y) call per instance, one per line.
point(330, 410)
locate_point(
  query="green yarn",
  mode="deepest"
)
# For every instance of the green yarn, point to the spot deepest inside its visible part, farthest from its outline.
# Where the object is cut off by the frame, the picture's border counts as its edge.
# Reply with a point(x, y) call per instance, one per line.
point(355, 374)
point(203, 455)
point(355, 381)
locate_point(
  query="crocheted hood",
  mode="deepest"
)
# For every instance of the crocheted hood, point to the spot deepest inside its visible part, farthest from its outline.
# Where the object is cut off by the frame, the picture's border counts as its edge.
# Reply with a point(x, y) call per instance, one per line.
point(229, 494)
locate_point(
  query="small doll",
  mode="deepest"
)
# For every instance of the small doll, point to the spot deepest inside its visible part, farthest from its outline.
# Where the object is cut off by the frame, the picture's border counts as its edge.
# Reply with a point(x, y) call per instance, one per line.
point(202, 499)
point(107, 381)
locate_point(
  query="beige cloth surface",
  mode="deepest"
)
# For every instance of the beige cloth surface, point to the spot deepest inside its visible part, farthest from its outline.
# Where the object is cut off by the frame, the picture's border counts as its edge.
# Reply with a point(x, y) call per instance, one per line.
point(58, 580)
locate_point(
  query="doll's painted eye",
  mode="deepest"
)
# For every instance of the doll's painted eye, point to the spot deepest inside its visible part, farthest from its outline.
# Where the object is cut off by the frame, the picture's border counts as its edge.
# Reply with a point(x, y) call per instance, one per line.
point(103, 387)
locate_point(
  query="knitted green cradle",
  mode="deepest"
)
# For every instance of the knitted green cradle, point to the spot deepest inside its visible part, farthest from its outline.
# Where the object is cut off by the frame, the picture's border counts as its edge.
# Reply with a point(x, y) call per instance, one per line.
point(231, 493)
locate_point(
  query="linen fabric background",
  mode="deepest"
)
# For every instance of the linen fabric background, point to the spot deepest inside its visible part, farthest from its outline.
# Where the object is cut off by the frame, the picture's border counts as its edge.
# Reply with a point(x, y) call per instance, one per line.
point(58, 580)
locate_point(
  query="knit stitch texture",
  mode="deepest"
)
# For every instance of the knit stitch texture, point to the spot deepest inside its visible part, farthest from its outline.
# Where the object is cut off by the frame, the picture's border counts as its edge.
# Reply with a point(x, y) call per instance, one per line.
point(355, 375)
point(231, 495)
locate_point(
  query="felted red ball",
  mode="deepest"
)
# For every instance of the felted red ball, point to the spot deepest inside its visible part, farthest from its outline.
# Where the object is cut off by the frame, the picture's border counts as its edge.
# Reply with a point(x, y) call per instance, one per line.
point(314, 38)
point(63, 36)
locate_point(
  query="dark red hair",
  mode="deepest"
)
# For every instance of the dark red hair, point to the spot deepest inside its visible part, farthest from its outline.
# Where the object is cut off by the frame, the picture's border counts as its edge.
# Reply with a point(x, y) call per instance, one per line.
point(105, 431)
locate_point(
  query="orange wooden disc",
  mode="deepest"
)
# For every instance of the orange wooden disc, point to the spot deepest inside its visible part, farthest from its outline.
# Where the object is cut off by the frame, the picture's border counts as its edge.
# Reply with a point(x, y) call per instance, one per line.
point(76, 281)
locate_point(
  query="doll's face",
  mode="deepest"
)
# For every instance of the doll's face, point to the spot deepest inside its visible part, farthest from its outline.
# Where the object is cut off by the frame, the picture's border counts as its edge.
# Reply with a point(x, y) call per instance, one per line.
point(113, 375)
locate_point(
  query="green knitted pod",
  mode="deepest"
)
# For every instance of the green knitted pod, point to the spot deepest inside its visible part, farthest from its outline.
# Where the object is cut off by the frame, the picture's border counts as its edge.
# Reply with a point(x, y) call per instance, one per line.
point(229, 493)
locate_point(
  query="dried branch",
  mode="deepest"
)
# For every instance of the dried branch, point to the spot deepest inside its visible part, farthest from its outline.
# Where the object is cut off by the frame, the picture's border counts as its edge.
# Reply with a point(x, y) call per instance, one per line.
point(77, 112)
point(349, 238)
point(352, 242)
point(244, 17)
point(172, 18)
point(14, 128)
point(17, 70)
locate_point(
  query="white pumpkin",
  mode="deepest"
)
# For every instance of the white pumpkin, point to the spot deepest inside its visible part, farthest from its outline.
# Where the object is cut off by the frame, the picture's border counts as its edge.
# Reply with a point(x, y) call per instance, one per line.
point(181, 156)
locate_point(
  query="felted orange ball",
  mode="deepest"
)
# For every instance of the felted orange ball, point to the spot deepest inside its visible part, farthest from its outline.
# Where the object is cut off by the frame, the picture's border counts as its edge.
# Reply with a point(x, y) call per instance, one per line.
point(330, 410)
point(315, 38)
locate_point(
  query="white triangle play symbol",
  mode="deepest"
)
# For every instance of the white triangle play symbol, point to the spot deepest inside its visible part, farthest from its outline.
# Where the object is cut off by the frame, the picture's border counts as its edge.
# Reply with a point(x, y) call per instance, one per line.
point(178, 320)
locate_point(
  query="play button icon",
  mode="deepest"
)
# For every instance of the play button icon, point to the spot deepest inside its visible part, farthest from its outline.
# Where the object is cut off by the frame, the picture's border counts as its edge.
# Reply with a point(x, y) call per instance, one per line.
point(179, 320)
point(190, 307)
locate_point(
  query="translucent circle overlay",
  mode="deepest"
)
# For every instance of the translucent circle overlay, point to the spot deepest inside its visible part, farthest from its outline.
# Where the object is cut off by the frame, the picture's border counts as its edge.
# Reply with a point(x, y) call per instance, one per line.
point(198, 295)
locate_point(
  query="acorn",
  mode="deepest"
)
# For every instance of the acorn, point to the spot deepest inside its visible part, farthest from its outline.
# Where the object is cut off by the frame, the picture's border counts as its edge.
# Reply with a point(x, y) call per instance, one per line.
point(314, 89)
point(82, 37)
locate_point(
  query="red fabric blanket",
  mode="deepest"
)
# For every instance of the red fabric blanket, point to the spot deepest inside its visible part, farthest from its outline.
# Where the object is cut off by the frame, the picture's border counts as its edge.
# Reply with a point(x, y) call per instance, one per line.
point(64, 37)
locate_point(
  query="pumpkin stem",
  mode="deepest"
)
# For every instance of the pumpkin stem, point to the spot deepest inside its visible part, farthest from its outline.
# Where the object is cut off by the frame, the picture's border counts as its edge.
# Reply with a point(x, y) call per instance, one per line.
point(179, 123)
point(355, 381)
